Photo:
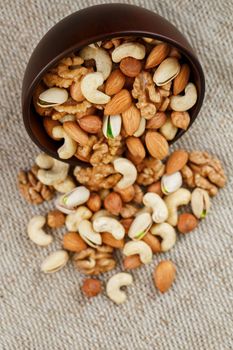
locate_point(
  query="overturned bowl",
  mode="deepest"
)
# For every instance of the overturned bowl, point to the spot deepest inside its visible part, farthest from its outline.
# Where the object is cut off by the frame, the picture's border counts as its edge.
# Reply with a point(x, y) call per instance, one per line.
point(91, 25)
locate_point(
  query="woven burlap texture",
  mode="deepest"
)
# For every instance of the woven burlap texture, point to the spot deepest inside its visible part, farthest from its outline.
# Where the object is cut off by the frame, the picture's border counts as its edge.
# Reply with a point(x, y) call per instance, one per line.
point(48, 312)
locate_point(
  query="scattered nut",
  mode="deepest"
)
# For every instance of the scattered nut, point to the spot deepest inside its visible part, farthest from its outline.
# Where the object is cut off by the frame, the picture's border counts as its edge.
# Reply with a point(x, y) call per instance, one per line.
point(164, 275)
point(91, 287)
point(186, 223)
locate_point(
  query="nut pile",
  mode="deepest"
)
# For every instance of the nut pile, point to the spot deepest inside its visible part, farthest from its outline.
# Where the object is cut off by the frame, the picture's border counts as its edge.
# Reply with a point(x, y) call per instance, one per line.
point(139, 210)
point(122, 97)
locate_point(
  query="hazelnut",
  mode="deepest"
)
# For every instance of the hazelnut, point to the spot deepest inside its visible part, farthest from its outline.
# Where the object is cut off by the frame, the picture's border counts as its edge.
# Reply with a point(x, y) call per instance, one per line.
point(91, 287)
point(126, 223)
point(186, 223)
point(94, 202)
point(113, 203)
point(127, 194)
point(156, 188)
point(55, 219)
point(131, 262)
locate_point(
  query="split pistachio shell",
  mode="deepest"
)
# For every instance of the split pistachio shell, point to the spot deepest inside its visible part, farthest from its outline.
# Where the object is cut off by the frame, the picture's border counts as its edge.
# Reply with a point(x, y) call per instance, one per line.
point(166, 71)
point(200, 203)
point(74, 198)
point(112, 126)
point(52, 97)
point(140, 226)
point(55, 261)
point(88, 234)
point(171, 183)
point(142, 126)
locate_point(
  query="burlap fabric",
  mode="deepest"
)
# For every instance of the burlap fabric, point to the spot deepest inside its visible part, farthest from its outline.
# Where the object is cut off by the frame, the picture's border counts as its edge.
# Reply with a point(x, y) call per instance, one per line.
point(49, 312)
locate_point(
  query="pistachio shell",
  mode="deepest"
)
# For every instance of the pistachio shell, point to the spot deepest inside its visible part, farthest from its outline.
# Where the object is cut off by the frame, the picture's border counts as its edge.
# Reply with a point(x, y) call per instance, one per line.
point(166, 71)
point(75, 197)
point(200, 203)
point(171, 183)
point(52, 97)
point(140, 226)
point(55, 261)
point(112, 126)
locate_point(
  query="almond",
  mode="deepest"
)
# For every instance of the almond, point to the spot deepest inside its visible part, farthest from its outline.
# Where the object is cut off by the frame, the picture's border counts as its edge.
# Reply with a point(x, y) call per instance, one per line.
point(119, 103)
point(49, 124)
point(113, 203)
point(91, 124)
point(76, 133)
point(164, 275)
point(180, 119)
point(126, 223)
point(181, 80)
point(131, 262)
point(91, 287)
point(94, 202)
point(75, 92)
point(157, 145)
point(176, 161)
point(156, 188)
point(131, 119)
point(114, 83)
point(108, 239)
point(135, 147)
point(157, 55)
point(153, 242)
point(130, 66)
point(73, 242)
point(127, 194)
point(186, 223)
point(133, 159)
point(157, 121)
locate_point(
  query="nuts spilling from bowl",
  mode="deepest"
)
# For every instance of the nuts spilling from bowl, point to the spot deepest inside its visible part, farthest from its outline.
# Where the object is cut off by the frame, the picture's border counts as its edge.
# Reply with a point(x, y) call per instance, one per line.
point(126, 97)
point(133, 208)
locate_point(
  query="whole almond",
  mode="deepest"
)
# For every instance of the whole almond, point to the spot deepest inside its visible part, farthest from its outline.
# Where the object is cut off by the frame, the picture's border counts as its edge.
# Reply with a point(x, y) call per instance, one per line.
point(127, 194)
point(75, 91)
point(135, 147)
point(126, 223)
point(76, 133)
point(114, 83)
point(186, 223)
point(113, 203)
point(153, 242)
point(73, 242)
point(164, 275)
point(181, 80)
point(131, 262)
point(157, 55)
point(180, 119)
point(130, 66)
point(133, 159)
point(176, 161)
point(94, 202)
point(156, 188)
point(108, 239)
point(157, 145)
point(131, 119)
point(49, 124)
point(119, 103)
point(91, 124)
point(157, 121)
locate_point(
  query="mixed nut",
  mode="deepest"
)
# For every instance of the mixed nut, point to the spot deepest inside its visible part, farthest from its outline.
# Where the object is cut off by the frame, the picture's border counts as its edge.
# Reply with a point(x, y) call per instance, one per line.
point(125, 97)
point(134, 208)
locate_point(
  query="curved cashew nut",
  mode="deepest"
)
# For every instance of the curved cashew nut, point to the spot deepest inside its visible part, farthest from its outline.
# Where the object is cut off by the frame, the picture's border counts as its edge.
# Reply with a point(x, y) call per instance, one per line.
point(87, 233)
point(140, 226)
point(73, 220)
point(89, 88)
point(68, 149)
point(133, 49)
point(173, 201)
point(66, 185)
point(72, 199)
point(102, 59)
point(44, 161)
point(139, 247)
point(35, 232)
point(115, 283)
point(154, 201)
point(111, 225)
point(171, 183)
point(100, 213)
point(128, 170)
point(56, 173)
point(167, 233)
point(182, 103)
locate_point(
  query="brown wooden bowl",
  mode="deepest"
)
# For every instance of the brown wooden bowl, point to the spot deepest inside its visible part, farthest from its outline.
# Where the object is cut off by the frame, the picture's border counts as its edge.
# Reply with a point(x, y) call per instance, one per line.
point(84, 27)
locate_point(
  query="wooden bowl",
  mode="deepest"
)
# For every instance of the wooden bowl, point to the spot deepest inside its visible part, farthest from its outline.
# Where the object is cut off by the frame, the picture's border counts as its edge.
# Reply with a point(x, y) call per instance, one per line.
point(84, 27)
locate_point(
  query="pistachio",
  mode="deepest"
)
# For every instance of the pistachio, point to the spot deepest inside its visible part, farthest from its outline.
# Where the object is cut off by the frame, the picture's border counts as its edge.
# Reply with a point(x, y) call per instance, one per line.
point(171, 183)
point(72, 199)
point(200, 203)
point(52, 97)
point(140, 226)
point(166, 71)
point(112, 126)
point(55, 261)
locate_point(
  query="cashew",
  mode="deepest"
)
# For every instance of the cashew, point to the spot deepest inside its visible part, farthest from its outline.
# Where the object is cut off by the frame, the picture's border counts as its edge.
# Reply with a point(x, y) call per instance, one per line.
point(44, 161)
point(111, 225)
point(55, 261)
point(182, 103)
point(35, 232)
point(173, 201)
point(89, 88)
point(171, 183)
point(72, 199)
point(100, 213)
point(66, 185)
point(141, 248)
point(114, 284)
point(128, 170)
point(154, 201)
point(132, 49)
point(68, 149)
point(200, 203)
point(53, 171)
point(52, 97)
point(102, 59)
point(88, 234)
point(167, 233)
point(140, 226)
point(73, 220)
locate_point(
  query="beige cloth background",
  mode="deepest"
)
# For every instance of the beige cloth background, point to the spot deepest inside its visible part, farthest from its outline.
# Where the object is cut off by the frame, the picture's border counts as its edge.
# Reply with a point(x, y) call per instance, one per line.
point(49, 312)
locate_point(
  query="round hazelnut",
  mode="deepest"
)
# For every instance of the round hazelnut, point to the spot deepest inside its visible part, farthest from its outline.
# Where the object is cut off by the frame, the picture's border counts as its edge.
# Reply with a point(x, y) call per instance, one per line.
point(127, 194)
point(55, 219)
point(186, 223)
point(91, 287)
point(94, 202)
point(156, 188)
point(113, 203)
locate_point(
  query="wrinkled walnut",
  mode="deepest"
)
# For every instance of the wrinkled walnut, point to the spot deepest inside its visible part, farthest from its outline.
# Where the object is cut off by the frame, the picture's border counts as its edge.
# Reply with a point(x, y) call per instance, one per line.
point(149, 171)
point(106, 149)
point(72, 107)
point(84, 152)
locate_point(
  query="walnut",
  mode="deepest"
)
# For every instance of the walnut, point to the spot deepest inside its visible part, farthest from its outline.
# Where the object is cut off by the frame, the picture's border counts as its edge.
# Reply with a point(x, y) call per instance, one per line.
point(72, 107)
point(93, 261)
point(128, 211)
point(138, 196)
point(145, 92)
point(102, 176)
point(106, 149)
point(149, 171)
point(55, 219)
point(84, 152)
point(32, 189)
point(204, 171)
